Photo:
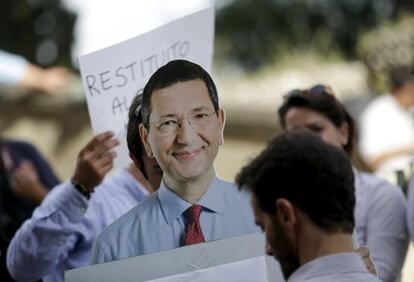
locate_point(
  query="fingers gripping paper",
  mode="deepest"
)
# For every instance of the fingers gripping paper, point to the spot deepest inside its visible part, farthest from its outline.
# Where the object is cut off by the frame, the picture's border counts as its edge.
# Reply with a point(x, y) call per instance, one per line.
point(113, 76)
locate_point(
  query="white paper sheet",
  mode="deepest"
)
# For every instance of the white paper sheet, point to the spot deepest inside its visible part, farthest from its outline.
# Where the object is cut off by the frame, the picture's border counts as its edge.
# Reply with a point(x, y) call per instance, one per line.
point(249, 270)
point(234, 251)
point(112, 76)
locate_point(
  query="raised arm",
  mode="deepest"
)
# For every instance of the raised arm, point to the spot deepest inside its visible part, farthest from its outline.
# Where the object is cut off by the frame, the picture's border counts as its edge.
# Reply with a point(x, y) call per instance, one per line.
point(52, 233)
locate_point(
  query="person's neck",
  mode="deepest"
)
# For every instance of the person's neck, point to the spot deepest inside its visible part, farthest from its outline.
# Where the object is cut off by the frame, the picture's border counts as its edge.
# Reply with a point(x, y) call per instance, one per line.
point(317, 243)
point(137, 174)
point(190, 190)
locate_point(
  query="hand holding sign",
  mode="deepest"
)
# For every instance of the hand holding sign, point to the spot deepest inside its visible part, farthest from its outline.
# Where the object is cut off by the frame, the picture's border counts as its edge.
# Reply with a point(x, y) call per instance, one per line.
point(95, 160)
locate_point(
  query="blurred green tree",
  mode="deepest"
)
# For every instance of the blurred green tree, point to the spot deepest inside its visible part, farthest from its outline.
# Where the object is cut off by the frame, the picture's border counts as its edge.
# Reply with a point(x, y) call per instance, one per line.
point(385, 48)
point(39, 30)
point(252, 33)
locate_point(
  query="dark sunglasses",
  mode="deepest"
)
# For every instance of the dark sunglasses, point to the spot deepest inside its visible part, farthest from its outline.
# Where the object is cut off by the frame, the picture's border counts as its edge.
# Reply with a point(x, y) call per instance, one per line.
point(318, 89)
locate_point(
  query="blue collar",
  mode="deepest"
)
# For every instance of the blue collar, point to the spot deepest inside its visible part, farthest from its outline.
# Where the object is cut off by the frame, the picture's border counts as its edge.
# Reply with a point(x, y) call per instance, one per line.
point(173, 205)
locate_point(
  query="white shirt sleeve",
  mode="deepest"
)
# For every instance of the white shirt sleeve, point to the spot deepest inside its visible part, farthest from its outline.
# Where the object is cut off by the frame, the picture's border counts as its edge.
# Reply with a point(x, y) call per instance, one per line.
point(386, 232)
point(12, 68)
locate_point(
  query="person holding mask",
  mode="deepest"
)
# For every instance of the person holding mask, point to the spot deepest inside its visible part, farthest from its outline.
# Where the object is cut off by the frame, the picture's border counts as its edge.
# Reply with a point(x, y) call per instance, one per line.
point(182, 129)
point(60, 233)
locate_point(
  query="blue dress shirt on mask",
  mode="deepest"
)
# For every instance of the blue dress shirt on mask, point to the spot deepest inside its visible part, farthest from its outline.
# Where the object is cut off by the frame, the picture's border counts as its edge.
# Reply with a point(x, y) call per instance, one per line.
point(158, 223)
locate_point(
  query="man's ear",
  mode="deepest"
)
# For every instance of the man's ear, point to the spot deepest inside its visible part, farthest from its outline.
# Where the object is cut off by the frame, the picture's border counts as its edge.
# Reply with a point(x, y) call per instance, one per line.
point(344, 130)
point(286, 215)
point(143, 133)
point(222, 123)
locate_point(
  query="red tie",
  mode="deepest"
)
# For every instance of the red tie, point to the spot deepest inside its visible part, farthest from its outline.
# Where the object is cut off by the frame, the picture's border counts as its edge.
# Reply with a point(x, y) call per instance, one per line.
point(193, 233)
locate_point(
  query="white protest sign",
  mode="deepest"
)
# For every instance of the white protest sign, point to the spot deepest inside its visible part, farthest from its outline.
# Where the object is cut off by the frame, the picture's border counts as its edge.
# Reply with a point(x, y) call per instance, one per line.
point(232, 259)
point(113, 76)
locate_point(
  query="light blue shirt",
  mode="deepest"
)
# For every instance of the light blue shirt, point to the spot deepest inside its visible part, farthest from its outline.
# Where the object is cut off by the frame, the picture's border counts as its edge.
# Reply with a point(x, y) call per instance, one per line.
point(380, 214)
point(158, 224)
point(343, 267)
point(60, 234)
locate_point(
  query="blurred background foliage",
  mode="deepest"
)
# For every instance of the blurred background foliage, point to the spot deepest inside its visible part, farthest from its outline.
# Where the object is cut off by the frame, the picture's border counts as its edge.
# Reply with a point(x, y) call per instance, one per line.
point(39, 30)
point(386, 47)
point(250, 34)
point(254, 33)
